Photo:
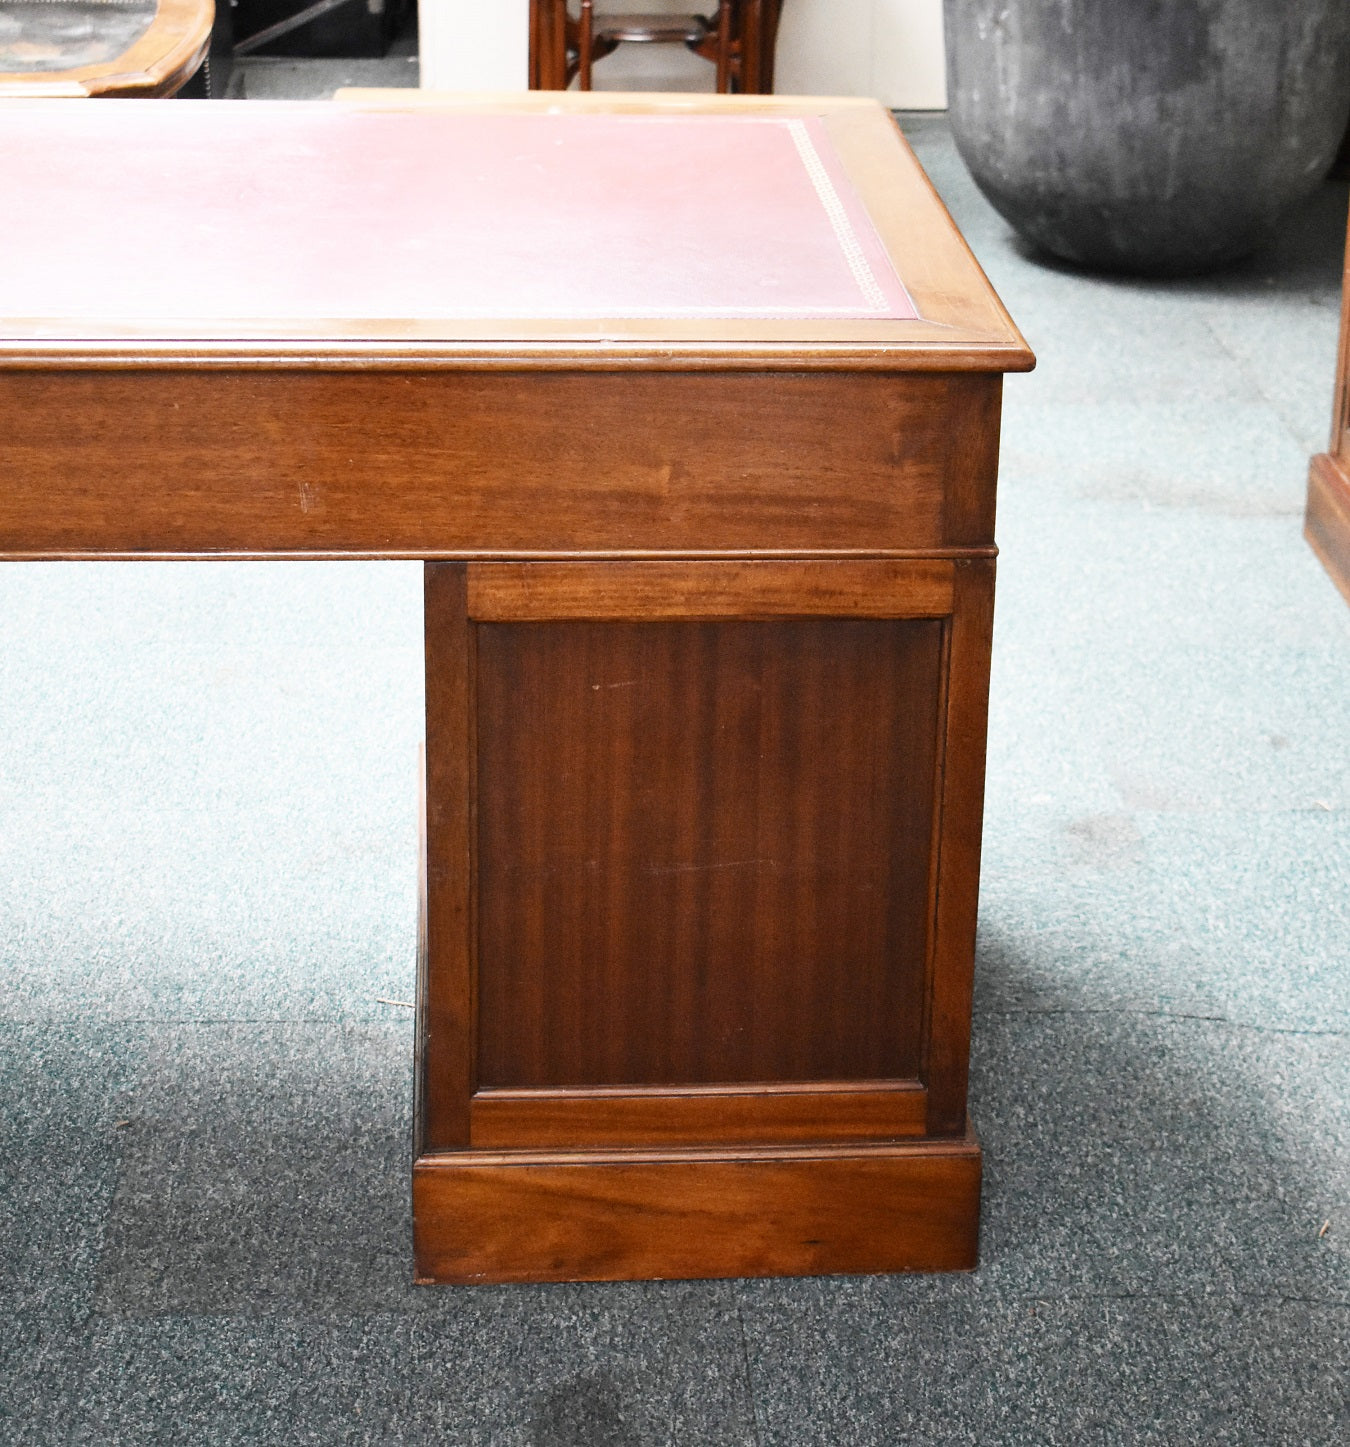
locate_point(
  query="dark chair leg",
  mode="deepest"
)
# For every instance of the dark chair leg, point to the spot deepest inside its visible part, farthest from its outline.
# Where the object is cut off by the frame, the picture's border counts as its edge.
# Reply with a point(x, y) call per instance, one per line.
point(724, 46)
point(771, 11)
point(586, 47)
point(548, 44)
point(536, 46)
point(751, 46)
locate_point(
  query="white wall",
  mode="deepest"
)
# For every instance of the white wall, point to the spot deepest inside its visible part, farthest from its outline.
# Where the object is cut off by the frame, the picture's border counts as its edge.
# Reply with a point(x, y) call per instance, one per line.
point(891, 49)
point(474, 44)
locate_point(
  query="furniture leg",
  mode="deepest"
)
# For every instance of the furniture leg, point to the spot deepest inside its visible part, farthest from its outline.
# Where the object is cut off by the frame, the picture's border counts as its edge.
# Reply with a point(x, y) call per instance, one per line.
point(771, 12)
point(724, 46)
point(751, 42)
point(586, 44)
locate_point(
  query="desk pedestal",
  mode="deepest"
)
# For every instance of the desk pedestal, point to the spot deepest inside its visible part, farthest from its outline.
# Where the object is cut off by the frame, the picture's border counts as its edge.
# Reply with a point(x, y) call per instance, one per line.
point(701, 851)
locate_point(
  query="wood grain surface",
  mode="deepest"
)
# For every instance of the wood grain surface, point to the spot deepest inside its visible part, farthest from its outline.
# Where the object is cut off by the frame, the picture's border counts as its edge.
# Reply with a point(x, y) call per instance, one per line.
point(540, 1217)
point(1327, 522)
point(446, 1022)
point(710, 1115)
point(375, 463)
point(703, 849)
point(956, 862)
point(744, 588)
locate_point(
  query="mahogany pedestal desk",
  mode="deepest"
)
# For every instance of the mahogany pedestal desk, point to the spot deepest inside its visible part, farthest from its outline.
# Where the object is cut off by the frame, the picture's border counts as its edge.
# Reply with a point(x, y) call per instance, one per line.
point(1327, 524)
point(691, 408)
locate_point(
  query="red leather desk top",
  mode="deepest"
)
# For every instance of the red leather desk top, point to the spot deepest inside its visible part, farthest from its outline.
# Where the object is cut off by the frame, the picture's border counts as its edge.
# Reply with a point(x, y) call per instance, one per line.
point(273, 213)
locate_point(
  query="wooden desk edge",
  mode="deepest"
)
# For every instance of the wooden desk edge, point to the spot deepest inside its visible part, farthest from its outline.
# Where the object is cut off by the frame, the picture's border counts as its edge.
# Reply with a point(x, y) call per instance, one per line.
point(958, 354)
point(146, 69)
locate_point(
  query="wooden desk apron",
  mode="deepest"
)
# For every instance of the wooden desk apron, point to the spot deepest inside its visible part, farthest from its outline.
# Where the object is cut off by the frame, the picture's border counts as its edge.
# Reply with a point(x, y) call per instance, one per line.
point(701, 459)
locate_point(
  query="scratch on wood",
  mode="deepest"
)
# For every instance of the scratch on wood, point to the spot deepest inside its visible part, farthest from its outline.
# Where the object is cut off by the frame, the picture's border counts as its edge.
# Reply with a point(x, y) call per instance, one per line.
point(696, 868)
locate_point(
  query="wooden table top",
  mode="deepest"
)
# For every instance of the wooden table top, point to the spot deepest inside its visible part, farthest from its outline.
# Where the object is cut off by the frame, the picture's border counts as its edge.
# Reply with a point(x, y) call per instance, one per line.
point(78, 48)
point(544, 229)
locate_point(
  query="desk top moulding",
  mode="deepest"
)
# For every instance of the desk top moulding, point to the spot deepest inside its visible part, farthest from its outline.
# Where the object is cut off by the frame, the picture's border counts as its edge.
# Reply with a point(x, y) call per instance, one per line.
point(81, 48)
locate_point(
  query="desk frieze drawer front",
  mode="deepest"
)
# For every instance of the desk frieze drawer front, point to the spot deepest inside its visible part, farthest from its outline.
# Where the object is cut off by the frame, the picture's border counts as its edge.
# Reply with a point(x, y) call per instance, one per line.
point(500, 464)
point(686, 830)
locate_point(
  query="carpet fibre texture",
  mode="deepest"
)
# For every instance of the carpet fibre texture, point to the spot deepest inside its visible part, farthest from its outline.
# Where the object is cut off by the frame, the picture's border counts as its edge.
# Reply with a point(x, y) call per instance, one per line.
point(207, 893)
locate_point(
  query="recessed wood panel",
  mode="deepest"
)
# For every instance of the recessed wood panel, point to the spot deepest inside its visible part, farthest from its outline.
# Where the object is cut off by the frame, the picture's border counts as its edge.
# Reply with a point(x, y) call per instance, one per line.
point(703, 850)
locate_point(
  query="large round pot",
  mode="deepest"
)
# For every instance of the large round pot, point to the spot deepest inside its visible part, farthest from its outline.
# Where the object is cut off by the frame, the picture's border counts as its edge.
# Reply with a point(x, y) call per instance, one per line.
point(1148, 135)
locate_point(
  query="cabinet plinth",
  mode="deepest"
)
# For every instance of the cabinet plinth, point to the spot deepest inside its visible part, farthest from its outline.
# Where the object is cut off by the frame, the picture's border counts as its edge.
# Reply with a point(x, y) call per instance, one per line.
point(701, 866)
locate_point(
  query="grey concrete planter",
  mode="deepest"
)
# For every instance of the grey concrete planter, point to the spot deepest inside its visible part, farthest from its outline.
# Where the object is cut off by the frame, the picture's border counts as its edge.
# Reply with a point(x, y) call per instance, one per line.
point(1158, 136)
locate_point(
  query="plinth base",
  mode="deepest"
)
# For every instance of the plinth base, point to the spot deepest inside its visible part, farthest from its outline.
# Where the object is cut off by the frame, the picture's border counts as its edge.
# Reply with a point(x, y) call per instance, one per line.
point(1327, 525)
point(486, 1217)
